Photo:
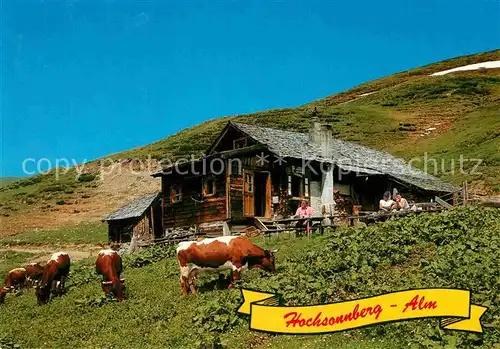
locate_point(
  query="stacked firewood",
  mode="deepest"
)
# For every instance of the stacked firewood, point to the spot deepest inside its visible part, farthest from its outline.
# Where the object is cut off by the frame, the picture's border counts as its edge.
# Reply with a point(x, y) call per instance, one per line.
point(250, 232)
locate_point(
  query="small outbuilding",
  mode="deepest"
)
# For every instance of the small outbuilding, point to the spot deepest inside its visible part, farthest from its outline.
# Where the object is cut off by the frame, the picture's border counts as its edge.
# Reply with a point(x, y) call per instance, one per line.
point(140, 219)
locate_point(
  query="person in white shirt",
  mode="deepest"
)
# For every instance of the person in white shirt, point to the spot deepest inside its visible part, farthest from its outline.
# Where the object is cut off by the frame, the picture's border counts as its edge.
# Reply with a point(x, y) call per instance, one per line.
point(386, 203)
point(401, 204)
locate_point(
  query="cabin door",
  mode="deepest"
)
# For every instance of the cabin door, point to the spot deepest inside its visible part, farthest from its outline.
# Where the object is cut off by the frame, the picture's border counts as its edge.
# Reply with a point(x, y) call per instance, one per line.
point(262, 194)
point(248, 193)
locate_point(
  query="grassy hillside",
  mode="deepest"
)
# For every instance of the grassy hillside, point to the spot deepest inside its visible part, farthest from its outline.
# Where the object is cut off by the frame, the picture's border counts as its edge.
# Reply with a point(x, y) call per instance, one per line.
point(23, 193)
point(8, 180)
point(461, 109)
point(12, 259)
point(50, 201)
point(93, 233)
point(457, 248)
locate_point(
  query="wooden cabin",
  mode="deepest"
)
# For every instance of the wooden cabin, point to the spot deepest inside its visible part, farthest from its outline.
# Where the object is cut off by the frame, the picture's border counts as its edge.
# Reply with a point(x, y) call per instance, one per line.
point(141, 219)
point(251, 174)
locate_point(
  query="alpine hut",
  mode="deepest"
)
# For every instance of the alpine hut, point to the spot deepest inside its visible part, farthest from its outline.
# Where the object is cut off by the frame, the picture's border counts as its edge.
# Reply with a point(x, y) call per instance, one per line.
point(252, 173)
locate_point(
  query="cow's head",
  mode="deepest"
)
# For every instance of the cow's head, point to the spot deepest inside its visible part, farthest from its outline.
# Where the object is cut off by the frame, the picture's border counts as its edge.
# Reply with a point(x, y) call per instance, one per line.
point(36, 265)
point(34, 271)
point(268, 261)
point(38, 268)
point(42, 293)
point(115, 287)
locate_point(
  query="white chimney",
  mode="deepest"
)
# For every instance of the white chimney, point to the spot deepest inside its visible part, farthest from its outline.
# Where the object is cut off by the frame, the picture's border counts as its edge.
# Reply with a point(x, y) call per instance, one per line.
point(326, 142)
point(321, 136)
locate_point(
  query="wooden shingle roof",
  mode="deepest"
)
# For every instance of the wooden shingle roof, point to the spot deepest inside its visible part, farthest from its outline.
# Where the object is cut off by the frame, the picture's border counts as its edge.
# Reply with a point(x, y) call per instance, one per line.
point(346, 155)
point(134, 209)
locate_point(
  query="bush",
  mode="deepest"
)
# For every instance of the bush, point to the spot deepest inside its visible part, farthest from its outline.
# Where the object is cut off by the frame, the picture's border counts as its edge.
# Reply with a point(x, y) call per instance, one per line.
point(148, 255)
point(7, 343)
point(54, 188)
point(30, 181)
point(87, 177)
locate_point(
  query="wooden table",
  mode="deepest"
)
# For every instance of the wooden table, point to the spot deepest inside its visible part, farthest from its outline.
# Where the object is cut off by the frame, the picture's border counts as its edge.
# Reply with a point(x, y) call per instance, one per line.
point(287, 224)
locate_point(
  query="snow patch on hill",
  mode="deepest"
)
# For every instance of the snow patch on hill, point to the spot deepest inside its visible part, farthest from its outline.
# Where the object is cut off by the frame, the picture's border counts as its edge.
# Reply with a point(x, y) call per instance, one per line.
point(483, 65)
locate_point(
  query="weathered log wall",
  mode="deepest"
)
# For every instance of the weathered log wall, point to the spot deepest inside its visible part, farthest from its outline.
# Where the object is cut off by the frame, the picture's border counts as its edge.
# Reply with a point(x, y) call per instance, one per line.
point(143, 229)
point(121, 231)
point(195, 209)
point(236, 196)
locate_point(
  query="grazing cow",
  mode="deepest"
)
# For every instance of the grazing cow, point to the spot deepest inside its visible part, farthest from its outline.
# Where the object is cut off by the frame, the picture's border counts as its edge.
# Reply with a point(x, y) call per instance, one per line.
point(34, 272)
point(14, 279)
point(233, 253)
point(109, 265)
point(54, 277)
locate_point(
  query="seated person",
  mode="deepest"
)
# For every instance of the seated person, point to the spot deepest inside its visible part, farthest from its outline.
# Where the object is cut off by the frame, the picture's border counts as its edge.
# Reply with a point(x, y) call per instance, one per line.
point(386, 203)
point(304, 210)
point(400, 203)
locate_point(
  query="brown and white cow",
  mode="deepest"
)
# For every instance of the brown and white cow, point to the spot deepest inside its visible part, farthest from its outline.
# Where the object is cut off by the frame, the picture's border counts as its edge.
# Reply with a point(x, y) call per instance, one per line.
point(232, 253)
point(34, 272)
point(14, 279)
point(54, 277)
point(109, 265)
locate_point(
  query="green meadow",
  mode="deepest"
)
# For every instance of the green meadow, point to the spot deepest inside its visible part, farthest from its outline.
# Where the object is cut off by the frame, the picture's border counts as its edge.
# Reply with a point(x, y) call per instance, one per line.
point(457, 248)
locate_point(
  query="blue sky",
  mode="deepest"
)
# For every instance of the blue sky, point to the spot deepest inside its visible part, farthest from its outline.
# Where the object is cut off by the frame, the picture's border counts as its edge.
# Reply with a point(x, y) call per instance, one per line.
point(82, 79)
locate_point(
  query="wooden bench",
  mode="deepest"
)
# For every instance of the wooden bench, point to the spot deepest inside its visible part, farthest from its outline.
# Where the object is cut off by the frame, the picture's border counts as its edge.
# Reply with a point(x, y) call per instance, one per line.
point(294, 224)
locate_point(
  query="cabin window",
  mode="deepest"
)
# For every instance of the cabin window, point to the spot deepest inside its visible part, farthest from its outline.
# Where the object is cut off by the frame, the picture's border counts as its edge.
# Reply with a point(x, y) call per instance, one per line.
point(298, 186)
point(240, 143)
point(209, 186)
point(175, 193)
point(235, 168)
point(248, 183)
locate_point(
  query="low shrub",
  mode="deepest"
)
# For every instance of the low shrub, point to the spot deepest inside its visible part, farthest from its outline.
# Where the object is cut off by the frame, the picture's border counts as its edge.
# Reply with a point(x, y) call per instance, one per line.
point(87, 177)
point(148, 255)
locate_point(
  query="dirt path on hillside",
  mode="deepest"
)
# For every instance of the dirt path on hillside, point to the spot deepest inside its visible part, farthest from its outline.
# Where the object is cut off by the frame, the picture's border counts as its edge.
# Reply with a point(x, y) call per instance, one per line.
point(45, 252)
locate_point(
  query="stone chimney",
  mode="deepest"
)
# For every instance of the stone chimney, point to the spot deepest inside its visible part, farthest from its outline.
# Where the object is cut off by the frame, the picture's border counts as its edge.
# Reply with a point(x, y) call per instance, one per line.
point(315, 131)
point(321, 136)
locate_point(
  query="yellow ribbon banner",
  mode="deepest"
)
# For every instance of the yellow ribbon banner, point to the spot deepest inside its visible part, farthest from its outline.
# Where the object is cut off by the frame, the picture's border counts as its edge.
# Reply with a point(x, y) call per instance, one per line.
point(453, 306)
